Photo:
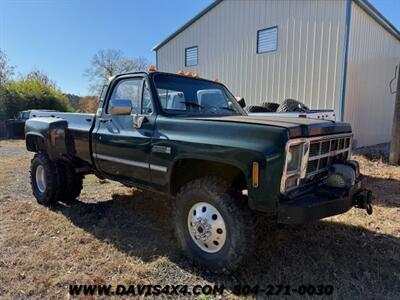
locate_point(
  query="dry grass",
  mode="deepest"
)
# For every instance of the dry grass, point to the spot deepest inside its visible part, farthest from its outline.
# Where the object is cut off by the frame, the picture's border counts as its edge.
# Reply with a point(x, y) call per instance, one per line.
point(117, 235)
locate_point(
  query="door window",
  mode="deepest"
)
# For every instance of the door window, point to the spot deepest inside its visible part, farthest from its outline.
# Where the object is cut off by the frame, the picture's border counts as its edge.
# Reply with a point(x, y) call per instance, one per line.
point(128, 89)
point(147, 105)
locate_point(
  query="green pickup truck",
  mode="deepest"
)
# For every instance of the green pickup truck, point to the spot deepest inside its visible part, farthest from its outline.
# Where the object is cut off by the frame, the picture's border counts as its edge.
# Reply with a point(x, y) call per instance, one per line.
point(189, 138)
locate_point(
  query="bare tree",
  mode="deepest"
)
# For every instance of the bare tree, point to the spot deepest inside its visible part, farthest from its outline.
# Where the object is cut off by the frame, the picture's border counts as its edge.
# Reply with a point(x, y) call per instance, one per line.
point(38, 75)
point(109, 62)
point(6, 70)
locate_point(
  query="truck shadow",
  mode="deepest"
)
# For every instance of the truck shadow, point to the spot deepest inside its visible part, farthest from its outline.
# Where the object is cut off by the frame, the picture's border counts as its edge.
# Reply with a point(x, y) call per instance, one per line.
point(321, 253)
point(385, 190)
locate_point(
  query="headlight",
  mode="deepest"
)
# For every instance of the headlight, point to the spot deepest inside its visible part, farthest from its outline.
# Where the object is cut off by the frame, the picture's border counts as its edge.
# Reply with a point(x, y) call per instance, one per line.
point(296, 163)
point(294, 157)
point(289, 157)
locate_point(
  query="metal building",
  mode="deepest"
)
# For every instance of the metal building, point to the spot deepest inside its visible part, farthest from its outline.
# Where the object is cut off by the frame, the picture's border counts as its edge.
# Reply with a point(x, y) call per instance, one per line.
point(337, 54)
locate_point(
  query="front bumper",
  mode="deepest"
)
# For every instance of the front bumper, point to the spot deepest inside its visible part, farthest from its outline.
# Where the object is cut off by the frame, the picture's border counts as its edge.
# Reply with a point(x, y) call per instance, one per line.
point(323, 202)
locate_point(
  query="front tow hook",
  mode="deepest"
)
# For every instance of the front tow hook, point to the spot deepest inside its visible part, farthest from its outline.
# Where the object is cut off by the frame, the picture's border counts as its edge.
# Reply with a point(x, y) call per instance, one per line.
point(363, 200)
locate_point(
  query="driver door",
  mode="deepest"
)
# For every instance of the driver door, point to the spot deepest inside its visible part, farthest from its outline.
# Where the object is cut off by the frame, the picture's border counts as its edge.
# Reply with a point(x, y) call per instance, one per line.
point(120, 149)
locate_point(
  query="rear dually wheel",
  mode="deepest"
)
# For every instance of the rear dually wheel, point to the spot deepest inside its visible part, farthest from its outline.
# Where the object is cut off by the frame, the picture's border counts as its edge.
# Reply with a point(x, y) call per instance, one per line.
point(44, 179)
point(54, 181)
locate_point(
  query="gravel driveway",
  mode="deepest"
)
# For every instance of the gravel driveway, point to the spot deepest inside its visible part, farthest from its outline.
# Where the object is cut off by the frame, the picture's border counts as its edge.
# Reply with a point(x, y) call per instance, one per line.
point(116, 235)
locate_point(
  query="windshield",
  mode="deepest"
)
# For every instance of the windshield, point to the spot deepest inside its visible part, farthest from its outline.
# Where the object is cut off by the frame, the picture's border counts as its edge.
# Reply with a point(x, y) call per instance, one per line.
point(187, 96)
point(23, 115)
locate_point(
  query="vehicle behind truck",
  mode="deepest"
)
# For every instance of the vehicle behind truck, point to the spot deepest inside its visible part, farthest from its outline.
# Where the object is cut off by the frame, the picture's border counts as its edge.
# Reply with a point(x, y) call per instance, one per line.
point(189, 138)
point(15, 127)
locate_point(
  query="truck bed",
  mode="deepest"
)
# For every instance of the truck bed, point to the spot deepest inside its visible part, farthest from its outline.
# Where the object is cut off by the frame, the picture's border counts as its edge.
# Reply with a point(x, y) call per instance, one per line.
point(79, 129)
point(312, 114)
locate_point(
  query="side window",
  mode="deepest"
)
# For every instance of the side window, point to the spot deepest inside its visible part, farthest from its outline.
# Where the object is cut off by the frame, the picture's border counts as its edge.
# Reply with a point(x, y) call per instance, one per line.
point(147, 105)
point(128, 89)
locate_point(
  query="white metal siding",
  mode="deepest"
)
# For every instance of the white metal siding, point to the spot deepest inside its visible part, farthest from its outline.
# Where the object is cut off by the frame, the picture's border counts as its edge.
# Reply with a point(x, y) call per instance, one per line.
point(373, 55)
point(306, 65)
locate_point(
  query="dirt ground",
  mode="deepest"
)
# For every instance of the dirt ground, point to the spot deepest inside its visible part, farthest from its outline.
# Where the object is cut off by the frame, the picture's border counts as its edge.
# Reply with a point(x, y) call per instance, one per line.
point(116, 235)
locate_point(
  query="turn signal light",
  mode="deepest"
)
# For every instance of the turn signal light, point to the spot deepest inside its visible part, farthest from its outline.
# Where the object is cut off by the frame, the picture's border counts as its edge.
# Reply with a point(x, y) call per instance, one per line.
point(196, 75)
point(152, 68)
point(256, 174)
point(189, 73)
point(216, 80)
point(180, 72)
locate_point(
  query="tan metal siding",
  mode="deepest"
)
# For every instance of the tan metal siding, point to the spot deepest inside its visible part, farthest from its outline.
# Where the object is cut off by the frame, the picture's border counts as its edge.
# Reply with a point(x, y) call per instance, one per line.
point(306, 66)
point(373, 55)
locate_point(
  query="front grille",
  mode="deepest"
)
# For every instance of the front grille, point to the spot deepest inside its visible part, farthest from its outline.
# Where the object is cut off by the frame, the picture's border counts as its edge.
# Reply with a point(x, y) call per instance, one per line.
point(325, 147)
point(315, 149)
point(312, 166)
point(323, 152)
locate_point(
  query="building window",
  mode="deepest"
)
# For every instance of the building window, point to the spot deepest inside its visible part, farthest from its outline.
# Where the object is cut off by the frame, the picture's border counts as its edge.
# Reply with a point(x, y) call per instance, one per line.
point(191, 56)
point(267, 39)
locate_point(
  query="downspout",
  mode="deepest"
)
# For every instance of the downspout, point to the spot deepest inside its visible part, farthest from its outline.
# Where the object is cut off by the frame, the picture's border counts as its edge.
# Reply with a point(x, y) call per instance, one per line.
point(345, 59)
point(157, 60)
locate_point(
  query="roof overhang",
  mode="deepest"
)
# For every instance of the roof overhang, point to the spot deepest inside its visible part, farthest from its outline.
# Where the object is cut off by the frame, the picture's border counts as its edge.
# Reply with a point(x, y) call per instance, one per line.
point(187, 24)
point(378, 17)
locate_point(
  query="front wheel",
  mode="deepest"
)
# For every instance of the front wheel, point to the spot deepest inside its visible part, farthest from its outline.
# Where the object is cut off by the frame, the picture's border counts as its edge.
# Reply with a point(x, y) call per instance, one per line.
point(213, 224)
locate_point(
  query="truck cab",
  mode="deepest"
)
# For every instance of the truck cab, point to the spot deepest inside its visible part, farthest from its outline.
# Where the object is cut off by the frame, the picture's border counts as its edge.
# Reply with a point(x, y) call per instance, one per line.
point(189, 138)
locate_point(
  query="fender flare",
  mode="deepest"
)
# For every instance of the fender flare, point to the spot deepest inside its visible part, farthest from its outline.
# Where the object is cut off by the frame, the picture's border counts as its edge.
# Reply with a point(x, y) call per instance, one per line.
point(203, 158)
point(47, 135)
point(34, 141)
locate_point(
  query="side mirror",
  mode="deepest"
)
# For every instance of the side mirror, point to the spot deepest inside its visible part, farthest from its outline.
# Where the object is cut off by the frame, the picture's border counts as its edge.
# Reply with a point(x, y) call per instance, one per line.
point(120, 107)
point(241, 102)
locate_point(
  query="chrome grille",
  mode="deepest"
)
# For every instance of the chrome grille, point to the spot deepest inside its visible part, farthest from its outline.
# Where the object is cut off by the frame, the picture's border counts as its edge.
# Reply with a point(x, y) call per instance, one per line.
point(325, 147)
point(323, 152)
point(318, 153)
point(315, 149)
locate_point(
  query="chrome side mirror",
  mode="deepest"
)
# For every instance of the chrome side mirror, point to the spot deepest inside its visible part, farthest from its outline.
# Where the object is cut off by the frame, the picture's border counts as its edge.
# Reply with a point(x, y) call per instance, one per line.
point(120, 107)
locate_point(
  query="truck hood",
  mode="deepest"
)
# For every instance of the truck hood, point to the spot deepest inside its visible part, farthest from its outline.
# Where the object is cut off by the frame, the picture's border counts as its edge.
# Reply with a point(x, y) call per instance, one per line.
point(297, 127)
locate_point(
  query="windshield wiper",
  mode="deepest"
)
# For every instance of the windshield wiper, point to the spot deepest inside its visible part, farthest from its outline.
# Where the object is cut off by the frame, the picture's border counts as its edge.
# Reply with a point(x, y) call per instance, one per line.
point(227, 108)
point(206, 108)
point(191, 104)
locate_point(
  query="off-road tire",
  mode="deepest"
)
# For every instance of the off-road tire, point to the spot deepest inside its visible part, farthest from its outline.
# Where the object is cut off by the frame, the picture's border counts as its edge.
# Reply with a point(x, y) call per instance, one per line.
point(240, 229)
point(62, 183)
point(51, 192)
point(291, 105)
point(71, 183)
point(271, 106)
point(256, 108)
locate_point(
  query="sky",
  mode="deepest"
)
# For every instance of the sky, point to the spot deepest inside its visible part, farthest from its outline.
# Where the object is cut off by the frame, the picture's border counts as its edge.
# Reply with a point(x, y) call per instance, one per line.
point(59, 37)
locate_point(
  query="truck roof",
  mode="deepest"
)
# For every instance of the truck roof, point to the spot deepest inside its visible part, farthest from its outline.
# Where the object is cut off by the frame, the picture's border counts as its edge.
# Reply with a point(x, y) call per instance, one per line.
point(153, 73)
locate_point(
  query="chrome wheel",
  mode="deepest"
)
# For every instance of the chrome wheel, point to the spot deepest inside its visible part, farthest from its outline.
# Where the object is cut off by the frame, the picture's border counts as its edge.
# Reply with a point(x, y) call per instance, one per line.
point(40, 177)
point(207, 227)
